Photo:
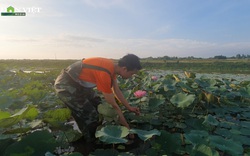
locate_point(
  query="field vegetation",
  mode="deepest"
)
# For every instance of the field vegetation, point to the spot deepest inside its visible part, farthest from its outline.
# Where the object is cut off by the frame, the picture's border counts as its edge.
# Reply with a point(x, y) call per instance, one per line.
point(189, 106)
point(230, 65)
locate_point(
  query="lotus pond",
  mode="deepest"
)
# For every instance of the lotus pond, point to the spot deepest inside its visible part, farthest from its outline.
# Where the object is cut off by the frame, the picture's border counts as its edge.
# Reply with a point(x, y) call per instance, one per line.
point(182, 113)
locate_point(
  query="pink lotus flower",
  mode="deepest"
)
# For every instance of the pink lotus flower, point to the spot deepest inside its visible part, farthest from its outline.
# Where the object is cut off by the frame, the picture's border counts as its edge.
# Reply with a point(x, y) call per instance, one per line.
point(140, 93)
point(154, 78)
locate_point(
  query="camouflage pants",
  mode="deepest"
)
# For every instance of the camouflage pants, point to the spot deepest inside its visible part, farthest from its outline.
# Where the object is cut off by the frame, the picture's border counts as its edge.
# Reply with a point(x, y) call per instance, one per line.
point(81, 101)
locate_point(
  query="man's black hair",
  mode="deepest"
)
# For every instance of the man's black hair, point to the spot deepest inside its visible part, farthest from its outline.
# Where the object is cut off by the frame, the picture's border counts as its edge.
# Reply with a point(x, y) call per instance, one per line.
point(130, 61)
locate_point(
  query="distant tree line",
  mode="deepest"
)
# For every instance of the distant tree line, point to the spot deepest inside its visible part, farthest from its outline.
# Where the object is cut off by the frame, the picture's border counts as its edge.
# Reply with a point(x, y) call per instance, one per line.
point(238, 56)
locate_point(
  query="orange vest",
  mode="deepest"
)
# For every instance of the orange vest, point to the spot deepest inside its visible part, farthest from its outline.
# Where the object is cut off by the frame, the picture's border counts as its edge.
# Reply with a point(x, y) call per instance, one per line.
point(102, 79)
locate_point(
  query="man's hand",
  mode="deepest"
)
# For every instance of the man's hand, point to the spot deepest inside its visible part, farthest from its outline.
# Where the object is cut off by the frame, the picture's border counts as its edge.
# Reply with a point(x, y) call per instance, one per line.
point(135, 110)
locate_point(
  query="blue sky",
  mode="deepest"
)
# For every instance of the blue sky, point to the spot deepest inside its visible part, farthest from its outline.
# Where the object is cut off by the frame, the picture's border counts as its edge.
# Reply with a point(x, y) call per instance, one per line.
point(112, 28)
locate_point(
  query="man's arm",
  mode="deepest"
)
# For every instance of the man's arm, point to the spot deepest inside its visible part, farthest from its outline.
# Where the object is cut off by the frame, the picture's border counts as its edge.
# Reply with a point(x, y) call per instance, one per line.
point(111, 100)
point(122, 99)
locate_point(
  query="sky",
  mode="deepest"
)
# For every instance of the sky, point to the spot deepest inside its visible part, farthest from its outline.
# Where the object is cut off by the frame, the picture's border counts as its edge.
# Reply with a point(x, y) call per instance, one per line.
point(75, 29)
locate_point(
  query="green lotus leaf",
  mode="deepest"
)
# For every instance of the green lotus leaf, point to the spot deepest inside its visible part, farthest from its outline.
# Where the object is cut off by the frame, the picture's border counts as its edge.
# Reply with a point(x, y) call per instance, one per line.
point(127, 93)
point(223, 132)
point(185, 87)
point(6, 101)
point(17, 130)
point(35, 123)
point(8, 122)
point(4, 143)
point(37, 143)
point(226, 145)
point(180, 125)
point(242, 139)
point(201, 83)
point(69, 135)
point(211, 82)
point(204, 150)
point(197, 137)
point(168, 142)
point(104, 152)
point(190, 74)
point(143, 99)
point(245, 124)
point(246, 114)
point(112, 134)
point(29, 112)
point(145, 135)
point(155, 121)
point(61, 114)
point(182, 100)
point(4, 114)
point(107, 111)
point(209, 119)
point(245, 131)
point(155, 102)
point(157, 87)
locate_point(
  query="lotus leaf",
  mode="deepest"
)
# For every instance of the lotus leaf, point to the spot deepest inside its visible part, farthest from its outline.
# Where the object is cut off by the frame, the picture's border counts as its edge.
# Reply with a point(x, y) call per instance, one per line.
point(229, 146)
point(102, 152)
point(201, 83)
point(190, 74)
point(5, 101)
point(180, 125)
point(195, 123)
point(177, 79)
point(157, 87)
point(145, 135)
point(8, 122)
point(37, 143)
point(155, 121)
point(211, 82)
point(35, 123)
point(143, 99)
point(168, 142)
point(29, 112)
point(197, 137)
point(223, 132)
point(209, 119)
point(4, 143)
point(182, 100)
point(112, 134)
point(4, 114)
point(155, 102)
point(17, 130)
point(242, 139)
point(185, 87)
point(204, 150)
point(245, 124)
point(245, 131)
point(61, 114)
point(108, 112)
point(246, 114)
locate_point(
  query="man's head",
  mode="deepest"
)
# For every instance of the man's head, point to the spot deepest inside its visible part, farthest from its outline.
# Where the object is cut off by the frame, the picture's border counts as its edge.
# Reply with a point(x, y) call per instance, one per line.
point(129, 65)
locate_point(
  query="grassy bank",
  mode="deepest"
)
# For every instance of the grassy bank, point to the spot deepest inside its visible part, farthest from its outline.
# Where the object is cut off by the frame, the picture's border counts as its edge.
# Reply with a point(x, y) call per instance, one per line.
point(234, 66)
point(201, 65)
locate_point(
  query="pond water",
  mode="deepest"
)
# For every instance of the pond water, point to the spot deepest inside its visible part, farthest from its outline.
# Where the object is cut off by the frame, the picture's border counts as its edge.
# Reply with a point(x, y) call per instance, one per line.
point(238, 77)
point(30, 71)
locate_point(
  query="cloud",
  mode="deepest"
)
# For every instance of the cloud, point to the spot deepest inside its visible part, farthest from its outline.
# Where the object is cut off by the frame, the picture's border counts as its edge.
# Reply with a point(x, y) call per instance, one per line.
point(12, 39)
point(78, 38)
point(161, 31)
point(104, 3)
point(71, 46)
